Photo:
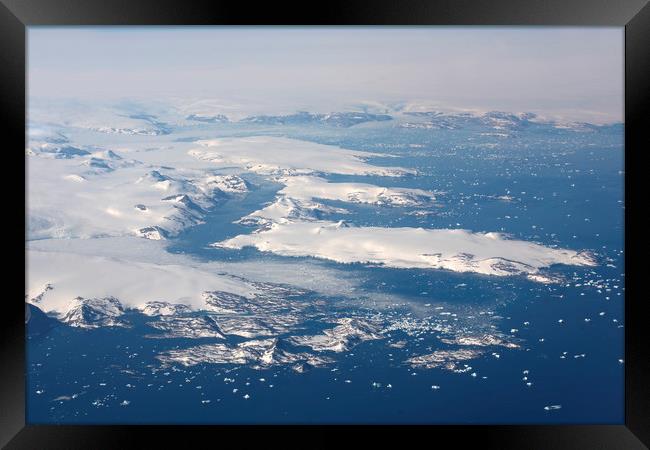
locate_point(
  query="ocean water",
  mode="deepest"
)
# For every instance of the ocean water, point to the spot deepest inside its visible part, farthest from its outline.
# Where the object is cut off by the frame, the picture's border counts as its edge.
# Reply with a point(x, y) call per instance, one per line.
point(563, 189)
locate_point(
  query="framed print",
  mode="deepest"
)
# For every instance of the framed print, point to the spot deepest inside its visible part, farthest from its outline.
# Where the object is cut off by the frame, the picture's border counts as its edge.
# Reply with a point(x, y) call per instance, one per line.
point(372, 217)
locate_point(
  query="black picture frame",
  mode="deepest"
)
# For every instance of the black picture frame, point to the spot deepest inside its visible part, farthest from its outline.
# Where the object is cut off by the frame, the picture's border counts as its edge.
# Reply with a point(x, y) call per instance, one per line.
point(634, 15)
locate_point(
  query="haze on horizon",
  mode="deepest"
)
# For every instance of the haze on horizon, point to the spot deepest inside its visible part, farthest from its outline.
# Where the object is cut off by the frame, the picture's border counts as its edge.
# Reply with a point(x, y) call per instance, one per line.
point(565, 73)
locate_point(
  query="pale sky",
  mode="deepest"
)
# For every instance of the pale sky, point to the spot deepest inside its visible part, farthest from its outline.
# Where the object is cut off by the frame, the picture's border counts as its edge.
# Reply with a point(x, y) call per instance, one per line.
point(558, 72)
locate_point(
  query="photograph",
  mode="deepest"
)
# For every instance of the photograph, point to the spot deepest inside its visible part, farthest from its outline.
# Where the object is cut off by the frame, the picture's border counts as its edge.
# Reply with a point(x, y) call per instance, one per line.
point(324, 225)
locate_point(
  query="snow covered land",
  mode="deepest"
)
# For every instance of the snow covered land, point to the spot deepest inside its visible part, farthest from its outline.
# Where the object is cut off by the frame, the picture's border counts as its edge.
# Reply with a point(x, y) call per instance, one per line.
point(147, 185)
point(280, 156)
point(256, 243)
point(457, 250)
